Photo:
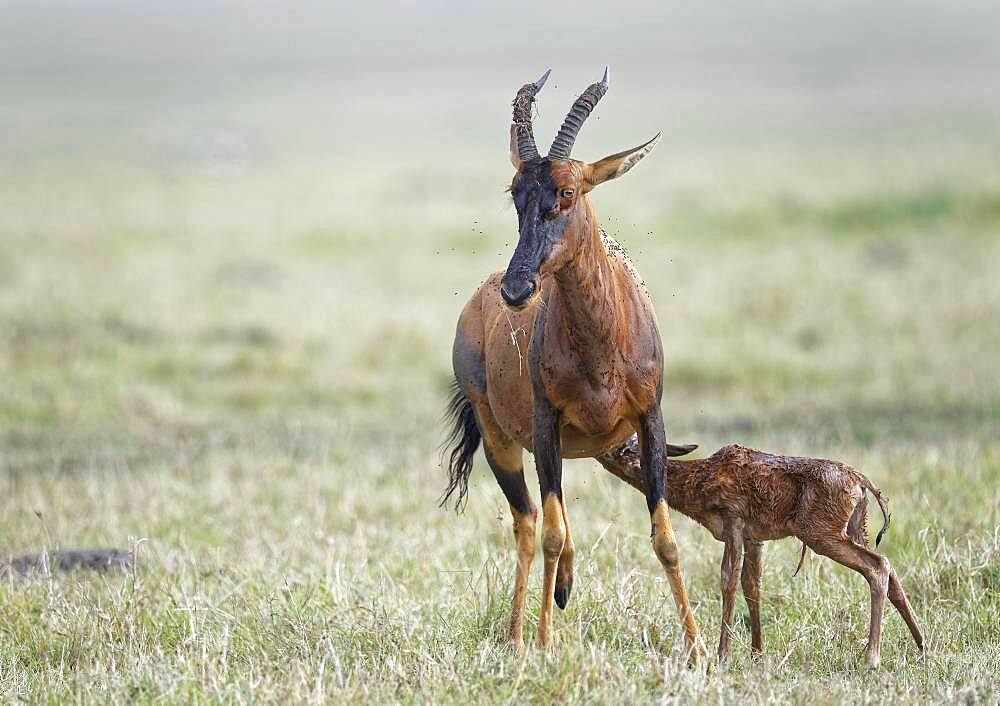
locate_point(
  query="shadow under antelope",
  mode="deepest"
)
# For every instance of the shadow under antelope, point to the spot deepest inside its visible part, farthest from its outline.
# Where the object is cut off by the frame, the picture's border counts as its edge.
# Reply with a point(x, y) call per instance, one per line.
point(745, 497)
point(560, 355)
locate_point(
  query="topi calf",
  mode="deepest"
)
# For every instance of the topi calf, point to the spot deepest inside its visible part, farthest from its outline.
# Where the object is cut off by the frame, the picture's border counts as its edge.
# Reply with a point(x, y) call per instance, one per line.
point(744, 497)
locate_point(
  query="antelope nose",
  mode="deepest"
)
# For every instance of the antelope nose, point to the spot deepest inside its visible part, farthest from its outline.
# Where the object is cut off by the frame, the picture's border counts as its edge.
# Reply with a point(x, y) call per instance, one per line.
point(517, 294)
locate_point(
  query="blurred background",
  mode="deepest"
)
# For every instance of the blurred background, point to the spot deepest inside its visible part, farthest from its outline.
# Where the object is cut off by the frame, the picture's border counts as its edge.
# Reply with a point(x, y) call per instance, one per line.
point(235, 239)
point(202, 192)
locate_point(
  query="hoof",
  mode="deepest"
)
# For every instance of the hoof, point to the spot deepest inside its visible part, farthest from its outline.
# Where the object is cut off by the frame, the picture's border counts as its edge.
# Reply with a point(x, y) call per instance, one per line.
point(562, 595)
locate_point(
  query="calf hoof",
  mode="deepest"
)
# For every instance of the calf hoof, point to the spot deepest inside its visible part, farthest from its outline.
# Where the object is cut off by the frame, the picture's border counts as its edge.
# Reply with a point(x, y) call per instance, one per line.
point(562, 595)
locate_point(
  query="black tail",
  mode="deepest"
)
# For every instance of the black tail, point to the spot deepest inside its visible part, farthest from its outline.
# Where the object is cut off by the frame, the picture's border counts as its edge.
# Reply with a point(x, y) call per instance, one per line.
point(463, 440)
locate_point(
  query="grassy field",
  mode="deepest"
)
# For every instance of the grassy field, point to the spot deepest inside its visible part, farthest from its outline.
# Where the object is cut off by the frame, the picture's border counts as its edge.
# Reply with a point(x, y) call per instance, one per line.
point(249, 395)
point(234, 361)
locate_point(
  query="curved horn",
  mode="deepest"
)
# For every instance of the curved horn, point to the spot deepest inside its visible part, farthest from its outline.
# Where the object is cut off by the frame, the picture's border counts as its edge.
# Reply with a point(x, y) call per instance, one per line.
point(563, 144)
point(521, 127)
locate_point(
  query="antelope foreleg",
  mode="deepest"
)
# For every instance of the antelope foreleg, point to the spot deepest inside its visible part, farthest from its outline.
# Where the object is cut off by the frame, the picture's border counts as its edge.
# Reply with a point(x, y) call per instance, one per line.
point(564, 570)
point(548, 461)
point(652, 452)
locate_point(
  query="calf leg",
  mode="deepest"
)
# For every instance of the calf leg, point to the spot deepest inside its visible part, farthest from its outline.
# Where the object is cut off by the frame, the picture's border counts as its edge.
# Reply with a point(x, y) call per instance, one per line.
point(732, 564)
point(857, 531)
point(875, 568)
point(750, 579)
point(898, 599)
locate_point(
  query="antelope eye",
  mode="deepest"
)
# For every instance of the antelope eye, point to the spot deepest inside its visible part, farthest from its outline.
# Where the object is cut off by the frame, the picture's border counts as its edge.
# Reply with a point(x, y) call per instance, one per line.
point(567, 193)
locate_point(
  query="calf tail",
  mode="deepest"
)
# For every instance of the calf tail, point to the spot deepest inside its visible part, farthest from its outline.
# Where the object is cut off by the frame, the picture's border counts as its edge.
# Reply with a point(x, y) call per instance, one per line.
point(802, 558)
point(883, 505)
point(463, 439)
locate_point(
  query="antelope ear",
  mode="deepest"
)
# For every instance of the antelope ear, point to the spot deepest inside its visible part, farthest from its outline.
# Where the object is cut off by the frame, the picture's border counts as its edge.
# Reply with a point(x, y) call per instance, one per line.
point(514, 158)
point(617, 164)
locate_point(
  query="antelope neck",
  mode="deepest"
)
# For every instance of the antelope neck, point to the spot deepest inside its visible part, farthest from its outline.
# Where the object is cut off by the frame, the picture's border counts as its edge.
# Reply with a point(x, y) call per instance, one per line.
point(589, 297)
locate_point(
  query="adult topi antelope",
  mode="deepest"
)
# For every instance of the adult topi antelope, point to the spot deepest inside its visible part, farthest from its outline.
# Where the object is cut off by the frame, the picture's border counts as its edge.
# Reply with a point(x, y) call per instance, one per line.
point(561, 355)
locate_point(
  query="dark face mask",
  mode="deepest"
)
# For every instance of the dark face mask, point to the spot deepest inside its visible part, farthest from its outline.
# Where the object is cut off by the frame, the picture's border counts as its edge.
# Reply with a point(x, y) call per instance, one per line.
point(541, 226)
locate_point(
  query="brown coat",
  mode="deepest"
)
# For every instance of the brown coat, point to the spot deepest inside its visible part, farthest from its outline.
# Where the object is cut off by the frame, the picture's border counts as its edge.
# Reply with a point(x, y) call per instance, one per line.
point(560, 355)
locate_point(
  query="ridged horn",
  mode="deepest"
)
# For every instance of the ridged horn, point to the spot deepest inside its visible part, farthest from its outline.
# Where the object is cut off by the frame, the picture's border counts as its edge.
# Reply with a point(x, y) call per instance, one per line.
point(562, 146)
point(521, 126)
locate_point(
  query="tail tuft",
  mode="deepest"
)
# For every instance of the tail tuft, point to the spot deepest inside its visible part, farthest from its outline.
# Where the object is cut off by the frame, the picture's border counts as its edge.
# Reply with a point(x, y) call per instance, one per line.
point(463, 439)
point(802, 558)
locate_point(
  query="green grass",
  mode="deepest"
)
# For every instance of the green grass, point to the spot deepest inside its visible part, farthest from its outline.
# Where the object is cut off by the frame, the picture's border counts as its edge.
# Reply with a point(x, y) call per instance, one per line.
point(249, 395)
point(233, 247)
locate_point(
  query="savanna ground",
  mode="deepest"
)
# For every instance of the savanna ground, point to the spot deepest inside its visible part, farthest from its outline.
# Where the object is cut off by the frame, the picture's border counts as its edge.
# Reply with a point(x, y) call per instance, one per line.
point(236, 365)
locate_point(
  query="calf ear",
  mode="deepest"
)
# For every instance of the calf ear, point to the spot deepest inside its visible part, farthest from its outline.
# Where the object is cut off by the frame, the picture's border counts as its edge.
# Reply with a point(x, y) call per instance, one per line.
point(514, 158)
point(617, 164)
